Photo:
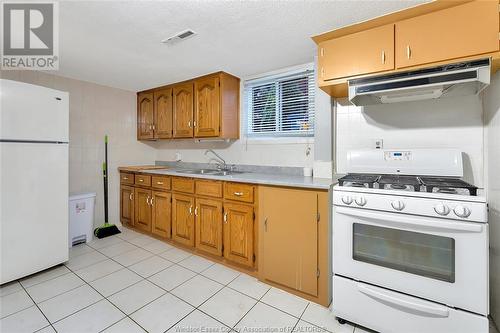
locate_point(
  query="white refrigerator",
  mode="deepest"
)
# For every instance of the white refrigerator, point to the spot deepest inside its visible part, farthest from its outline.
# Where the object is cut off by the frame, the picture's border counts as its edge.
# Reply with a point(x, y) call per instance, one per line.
point(34, 125)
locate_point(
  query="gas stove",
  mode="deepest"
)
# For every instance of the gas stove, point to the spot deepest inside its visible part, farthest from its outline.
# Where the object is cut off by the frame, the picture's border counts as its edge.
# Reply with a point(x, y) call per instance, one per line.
point(409, 236)
point(429, 184)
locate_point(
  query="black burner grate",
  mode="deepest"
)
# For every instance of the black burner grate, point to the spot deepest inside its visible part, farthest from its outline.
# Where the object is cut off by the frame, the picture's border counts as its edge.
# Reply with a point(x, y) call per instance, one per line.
point(446, 184)
point(359, 179)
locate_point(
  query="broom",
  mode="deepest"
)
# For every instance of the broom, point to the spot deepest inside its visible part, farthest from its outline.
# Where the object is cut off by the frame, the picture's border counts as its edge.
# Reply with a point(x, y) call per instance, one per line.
point(106, 229)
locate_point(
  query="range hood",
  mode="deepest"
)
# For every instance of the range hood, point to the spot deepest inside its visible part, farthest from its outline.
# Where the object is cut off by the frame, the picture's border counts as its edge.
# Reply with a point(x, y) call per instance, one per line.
point(464, 78)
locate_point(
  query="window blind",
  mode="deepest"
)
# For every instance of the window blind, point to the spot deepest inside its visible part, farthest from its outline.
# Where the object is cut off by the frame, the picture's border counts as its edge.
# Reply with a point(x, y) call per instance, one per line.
point(281, 105)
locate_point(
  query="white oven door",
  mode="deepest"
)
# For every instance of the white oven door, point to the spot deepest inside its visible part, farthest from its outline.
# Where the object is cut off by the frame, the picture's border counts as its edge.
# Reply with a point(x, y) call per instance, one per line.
point(437, 259)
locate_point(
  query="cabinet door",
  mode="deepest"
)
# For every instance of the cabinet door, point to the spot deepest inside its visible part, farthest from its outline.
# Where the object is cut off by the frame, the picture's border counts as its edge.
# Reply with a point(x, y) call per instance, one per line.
point(183, 110)
point(208, 214)
point(457, 32)
point(238, 233)
point(142, 209)
point(145, 116)
point(163, 113)
point(161, 218)
point(127, 205)
point(290, 237)
point(183, 219)
point(364, 52)
point(207, 107)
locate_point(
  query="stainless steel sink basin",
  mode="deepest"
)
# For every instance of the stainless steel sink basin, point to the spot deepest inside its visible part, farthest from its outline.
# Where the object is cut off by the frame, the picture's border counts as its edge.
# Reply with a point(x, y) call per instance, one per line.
point(213, 172)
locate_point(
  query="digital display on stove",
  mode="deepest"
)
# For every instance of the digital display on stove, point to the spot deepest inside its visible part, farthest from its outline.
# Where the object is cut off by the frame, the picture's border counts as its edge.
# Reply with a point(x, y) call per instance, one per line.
point(398, 154)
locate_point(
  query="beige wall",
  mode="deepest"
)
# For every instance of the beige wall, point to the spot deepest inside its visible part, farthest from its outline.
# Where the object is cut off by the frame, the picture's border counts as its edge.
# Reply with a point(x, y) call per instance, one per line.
point(96, 110)
point(492, 162)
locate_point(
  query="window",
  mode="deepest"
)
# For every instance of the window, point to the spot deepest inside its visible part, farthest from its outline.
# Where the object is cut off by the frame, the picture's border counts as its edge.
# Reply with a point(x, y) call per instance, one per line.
point(281, 105)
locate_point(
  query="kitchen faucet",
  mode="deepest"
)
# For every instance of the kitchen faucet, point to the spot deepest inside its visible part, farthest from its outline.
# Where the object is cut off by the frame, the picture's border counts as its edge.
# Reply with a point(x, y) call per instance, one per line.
point(221, 163)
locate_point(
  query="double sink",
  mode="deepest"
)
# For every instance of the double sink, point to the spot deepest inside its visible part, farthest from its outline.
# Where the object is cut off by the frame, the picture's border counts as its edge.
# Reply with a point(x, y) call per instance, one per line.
point(211, 172)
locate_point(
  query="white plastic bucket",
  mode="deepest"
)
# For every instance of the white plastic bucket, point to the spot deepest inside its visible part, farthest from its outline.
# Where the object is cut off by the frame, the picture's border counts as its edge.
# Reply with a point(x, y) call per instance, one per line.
point(81, 218)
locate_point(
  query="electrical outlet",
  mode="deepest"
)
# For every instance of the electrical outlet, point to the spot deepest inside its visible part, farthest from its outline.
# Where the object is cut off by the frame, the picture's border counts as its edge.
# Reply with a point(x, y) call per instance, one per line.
point(178, 156)
point(378, 143)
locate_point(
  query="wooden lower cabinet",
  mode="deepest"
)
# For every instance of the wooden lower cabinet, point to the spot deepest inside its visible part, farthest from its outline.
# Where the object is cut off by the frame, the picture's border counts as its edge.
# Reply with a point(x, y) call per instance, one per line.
point(209, 225)
point(239, 233)
point(183, 219)
point(142, 209)
point(293, 239)
point(161, 205)
point(127, 205)
point(291, 260)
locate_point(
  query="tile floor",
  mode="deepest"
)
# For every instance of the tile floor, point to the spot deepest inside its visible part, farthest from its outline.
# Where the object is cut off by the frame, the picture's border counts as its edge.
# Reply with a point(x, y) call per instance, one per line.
point(134, 283)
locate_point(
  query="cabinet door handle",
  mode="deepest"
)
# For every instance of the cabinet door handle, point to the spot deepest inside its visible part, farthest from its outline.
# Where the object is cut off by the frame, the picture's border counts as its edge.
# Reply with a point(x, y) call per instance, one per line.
point(191, 210)
point(189, 124)
point(125, 178)
point(194, 123)
point(151, 201)
point(147, 200)
point(225, 217)
point(141, 180)
point(238, 194)
point(383, 57)
point(159, 183)
point(408, 51)
point(153, 126)
point(196, 211)
point(131, 196)
point(265, 224)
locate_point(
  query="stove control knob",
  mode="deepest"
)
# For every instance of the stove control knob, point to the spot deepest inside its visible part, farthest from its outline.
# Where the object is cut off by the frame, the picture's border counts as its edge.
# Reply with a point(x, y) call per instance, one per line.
point(360, 201)
point(442, 209)
point(398, 205)
point(461, 211)
point(347, 199)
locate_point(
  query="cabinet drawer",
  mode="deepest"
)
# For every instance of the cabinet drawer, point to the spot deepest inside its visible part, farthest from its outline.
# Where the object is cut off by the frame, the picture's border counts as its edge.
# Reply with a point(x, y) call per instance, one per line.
point(209, 188)
point(143, 180)
point(126, 178)
point(238, 192)
point(160, 182)
point(183, 184)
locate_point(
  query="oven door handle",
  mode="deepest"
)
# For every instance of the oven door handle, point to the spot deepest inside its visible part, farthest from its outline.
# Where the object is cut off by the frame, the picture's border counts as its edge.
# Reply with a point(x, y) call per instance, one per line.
point(412, 221)
point(432, 310)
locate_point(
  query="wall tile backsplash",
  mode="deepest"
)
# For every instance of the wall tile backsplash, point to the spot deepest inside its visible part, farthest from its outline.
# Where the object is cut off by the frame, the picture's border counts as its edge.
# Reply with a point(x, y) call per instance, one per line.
point(444, 123)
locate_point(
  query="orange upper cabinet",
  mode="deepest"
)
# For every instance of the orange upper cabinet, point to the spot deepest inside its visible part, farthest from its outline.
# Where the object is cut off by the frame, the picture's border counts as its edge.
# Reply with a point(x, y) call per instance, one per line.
point(183, 110)
point(466, 30)
point(163, 113)
point(360, 53)
point(204, 107)
point(207, 107)
point(145, 116)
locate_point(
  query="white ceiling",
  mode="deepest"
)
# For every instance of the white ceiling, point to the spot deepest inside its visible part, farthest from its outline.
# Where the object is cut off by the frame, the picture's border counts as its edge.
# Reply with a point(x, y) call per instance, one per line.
point(117, 43)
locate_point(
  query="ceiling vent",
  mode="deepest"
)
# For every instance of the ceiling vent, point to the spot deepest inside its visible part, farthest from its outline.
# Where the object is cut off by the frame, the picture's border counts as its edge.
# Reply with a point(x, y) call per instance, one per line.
point(183, 35)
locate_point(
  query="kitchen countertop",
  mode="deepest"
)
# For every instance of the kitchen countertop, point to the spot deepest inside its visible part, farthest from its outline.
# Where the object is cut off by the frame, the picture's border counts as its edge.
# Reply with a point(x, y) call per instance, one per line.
point(251, 177)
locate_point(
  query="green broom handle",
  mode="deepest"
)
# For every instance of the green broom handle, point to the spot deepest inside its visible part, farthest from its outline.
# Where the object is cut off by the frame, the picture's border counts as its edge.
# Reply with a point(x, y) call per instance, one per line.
point(105, 174)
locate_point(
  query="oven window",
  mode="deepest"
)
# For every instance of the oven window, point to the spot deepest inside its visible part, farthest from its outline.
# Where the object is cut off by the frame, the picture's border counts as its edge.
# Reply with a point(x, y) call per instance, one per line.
point(417, 253)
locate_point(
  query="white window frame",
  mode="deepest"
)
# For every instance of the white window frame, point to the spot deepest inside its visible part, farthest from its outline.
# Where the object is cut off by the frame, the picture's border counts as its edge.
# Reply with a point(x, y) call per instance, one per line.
point(282, 137)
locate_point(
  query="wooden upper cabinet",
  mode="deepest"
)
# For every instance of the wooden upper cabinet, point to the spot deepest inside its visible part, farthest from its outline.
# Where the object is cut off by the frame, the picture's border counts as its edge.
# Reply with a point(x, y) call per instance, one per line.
point(127, 205)
point(207, 107)
point(142, 209)
point(163, 113)
point(364, 52)
point(208, 214)
point(145, 116)
point(183, 110)
point(457, 32)
point(290, 237)
point(183, 219)
point(161, 213)
point(238, 233)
